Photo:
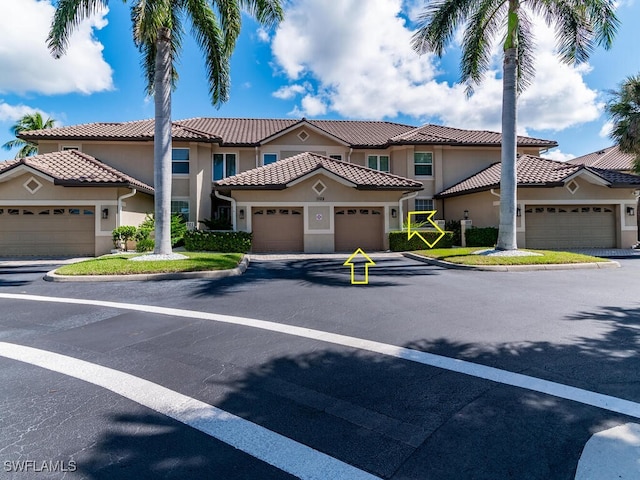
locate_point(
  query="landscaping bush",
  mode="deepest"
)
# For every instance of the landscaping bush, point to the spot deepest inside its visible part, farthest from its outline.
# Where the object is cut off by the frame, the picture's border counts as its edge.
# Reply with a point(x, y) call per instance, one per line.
point(178, 228)
point(145, 245)
point(454, 227)
point(398, 241)
point(122, 235)
point(226, 242)
point(216, 224)
point(481, 237)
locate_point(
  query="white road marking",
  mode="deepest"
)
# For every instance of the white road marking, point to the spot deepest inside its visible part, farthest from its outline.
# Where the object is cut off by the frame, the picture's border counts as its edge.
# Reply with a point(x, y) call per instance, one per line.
point(612, 454)
point(606, 402)
point(270, 447)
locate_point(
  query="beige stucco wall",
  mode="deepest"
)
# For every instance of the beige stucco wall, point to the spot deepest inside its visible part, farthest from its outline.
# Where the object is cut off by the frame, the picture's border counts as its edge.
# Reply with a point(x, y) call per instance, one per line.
point(291, 138)
point(319, 243)
point(132, 158)
point(462, 162)
point(482, 212)
point(319, 217)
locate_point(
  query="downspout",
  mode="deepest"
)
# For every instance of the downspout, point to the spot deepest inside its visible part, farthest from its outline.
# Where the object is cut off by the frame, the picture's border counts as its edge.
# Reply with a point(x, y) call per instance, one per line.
point(493, 192)
point(233, 207)
point(405, 196)
point(349, 156)
point(127, 195)
point(257, 157)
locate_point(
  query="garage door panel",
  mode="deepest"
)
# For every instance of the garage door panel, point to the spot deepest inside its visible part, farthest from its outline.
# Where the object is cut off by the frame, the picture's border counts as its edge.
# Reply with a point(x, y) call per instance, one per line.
point(278, 229)
point(38, 231)
point(360, 227)
point(583, 226)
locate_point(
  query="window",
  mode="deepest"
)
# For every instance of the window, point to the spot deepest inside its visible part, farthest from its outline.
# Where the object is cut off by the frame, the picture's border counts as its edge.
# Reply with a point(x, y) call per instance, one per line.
point(224, 165)
point(379, 162)
point(423, 205)
point(180, 207)
point(336, 157)
point(268, 158)
point(423, 164)
point(180, 161)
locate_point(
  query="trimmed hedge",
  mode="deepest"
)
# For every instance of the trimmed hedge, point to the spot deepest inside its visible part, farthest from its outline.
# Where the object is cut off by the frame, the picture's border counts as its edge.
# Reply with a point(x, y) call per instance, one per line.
point(225, 242)
point(398, 241)
point(481, 237)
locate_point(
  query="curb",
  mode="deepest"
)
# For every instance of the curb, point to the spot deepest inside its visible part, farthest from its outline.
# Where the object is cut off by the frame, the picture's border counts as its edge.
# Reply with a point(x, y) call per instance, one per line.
point(513, 268)
point(239, 270)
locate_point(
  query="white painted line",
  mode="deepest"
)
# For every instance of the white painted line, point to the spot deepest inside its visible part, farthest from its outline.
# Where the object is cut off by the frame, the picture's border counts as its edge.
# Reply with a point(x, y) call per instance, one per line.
point(270, 447)
point(606, 402)
point(612, 454)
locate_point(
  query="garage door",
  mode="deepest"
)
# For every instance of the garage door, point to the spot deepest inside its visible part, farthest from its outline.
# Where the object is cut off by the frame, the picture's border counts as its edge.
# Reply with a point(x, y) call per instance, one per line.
point(360, 227)
point(47, 231)
point(277, 229)
point(570, 226)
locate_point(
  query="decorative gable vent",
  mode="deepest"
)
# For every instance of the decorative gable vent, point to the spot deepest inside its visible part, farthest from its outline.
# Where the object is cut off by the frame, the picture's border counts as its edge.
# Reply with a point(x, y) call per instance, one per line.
point(32, 185)
point(319, 187)
point(572, 186)
point(303, 136)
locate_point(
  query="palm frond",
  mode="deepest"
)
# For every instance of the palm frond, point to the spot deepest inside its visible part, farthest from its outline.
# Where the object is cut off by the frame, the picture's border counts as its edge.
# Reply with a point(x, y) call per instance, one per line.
point(230, 20)
point(210, 37)
point(526, 48)
point(438, 22)
point(67, 17)
point(267, 12)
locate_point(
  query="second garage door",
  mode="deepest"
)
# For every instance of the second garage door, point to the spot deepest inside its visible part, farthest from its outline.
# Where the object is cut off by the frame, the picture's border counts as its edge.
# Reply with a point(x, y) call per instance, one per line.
point(47, 231)
point(277, 229)
point(359, 228)
point(570, 226)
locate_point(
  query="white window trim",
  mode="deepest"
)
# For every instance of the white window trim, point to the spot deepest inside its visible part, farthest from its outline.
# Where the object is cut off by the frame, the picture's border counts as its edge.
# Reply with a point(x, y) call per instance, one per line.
point(425, 198)
point(224, 164)
point(378, 155)
point(331, 155)
point(187, 200)
point(180, 175)
point(270, 153)
point(414, 163)
point(70, 147)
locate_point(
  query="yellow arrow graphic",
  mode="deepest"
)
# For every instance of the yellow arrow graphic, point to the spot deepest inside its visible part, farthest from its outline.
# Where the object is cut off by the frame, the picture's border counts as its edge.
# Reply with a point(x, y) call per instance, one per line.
point(430, 214)
point(350, 263)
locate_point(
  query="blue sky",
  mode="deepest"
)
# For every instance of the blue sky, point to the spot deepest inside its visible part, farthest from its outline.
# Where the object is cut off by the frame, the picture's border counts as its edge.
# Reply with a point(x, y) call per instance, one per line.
point(348, 59)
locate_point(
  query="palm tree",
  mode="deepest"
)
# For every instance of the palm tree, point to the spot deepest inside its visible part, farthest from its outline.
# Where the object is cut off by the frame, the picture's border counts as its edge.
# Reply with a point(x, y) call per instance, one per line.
point(157, 32)
point(29, 122)
point(624, 110)
point(578, 24)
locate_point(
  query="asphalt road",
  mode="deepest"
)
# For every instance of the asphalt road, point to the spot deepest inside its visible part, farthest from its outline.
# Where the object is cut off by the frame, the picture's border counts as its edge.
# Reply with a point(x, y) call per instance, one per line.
point(386, 416)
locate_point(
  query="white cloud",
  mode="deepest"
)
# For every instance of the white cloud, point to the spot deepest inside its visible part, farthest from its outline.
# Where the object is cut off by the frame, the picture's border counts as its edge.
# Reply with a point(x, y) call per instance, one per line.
point(11, 113)
point(27, 65)
point(607, 128)
point(359, 57)
point(288, 92)
point(557, 154)
point(263, 35)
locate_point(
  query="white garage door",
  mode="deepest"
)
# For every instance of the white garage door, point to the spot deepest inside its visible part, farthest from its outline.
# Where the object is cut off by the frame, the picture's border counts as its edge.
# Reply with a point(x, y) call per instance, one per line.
point(361, 227)
point(47, 231)
point(570, 226)
point(277, 229)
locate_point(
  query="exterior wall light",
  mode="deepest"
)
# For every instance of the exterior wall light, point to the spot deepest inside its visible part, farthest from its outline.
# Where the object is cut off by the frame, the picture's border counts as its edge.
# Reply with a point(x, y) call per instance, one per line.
point(394, 213)
point(241, 214)
point(631, 211)
point(518, 212)
point(466, 214)
point(105, 213)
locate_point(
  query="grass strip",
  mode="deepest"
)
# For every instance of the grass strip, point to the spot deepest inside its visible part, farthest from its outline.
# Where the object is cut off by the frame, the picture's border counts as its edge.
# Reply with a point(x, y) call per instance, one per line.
point(120, 265)
point(466, 256)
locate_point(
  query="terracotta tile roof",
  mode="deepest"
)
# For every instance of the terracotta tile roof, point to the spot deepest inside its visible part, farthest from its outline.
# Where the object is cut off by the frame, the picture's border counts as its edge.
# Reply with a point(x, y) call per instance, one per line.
point(140, 130)
point(535, 172)
point(278, 175)
point(254, 131)
point(76, 169)
point(437, 134)
point(610, 158)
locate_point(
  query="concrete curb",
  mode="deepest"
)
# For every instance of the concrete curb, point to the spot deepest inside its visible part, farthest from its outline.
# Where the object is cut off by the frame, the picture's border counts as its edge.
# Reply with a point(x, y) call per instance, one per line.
point(211, 274)
point(513, 268)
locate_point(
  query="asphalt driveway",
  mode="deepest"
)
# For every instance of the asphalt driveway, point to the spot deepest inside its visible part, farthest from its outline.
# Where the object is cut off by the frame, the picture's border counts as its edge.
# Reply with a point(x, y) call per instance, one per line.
point(352, 398)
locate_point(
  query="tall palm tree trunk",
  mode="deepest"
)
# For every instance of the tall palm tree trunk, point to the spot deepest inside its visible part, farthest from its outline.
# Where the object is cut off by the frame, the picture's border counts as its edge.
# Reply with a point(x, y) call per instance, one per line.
point(162, 143)
point(508, 178)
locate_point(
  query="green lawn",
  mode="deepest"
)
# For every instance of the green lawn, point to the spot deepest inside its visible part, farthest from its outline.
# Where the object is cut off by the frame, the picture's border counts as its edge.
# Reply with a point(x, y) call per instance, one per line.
point(120, 264)
point(465, 256)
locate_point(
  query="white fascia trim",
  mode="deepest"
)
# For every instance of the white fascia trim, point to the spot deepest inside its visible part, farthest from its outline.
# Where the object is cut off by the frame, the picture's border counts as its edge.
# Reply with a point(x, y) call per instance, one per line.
point(324, 172)
point(21, 170)
point(590, 177)
point(306, 124)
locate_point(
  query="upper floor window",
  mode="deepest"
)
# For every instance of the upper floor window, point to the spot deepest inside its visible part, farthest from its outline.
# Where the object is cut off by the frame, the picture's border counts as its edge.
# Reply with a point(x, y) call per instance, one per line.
point(179, 161)
point(268, 158)
point(70, 147)
point(378, 162)
point(224, 165)
point(423, 164)
point(336, 157)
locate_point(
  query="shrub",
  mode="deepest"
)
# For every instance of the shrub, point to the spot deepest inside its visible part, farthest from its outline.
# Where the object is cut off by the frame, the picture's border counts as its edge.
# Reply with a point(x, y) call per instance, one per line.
point(226, 242)
point(122, 235)
point(145, 245)
point(398, 241)
point(454, 227)
point(216, 224)
point(481, 237)
point(178, 228)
